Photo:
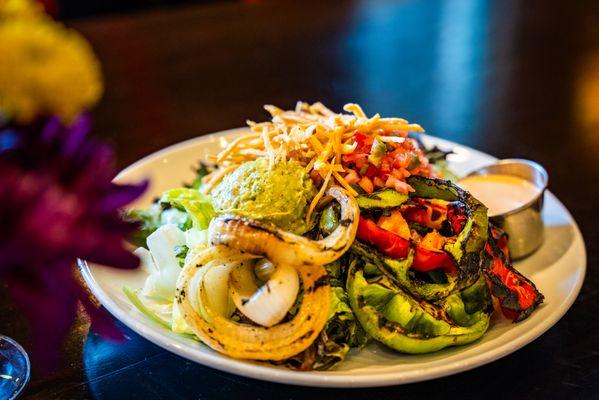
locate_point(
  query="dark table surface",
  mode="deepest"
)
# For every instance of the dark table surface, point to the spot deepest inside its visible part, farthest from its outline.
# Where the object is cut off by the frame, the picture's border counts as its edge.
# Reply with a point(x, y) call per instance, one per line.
point(514, 79)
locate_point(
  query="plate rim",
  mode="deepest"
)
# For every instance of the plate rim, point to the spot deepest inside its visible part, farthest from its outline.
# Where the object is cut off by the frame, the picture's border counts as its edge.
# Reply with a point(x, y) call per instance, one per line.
point(321, 378)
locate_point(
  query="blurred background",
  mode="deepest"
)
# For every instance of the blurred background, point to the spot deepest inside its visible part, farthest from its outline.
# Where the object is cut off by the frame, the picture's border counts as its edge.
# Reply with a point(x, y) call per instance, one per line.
point(69, 9)
point(479, 72)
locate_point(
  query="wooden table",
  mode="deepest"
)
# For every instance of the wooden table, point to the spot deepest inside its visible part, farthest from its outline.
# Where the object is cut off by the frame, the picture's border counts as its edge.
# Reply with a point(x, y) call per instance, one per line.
point(514, 79)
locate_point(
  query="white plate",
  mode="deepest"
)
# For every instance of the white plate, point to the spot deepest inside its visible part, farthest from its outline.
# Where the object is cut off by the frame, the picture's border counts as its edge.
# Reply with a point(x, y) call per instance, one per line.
point(557, 268)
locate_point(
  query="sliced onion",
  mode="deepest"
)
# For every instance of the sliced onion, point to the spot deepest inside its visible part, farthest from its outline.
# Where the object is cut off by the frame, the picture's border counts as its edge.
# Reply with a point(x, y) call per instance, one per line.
point(282, 247)
point(268, 304)
point(216, 283)
point(213, 267)
point(253, 342)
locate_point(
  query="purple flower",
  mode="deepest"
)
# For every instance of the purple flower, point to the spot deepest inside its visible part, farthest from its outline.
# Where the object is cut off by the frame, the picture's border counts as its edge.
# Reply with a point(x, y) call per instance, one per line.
point(58, 203)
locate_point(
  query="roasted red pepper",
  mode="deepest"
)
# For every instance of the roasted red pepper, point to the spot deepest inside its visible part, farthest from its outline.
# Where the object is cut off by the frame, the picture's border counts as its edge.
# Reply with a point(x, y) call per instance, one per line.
point(457, 216)
point(427, 260)
point(517, 295)
point(387, 242)
point(449, 219)
point(396, 247)
point(418, 213)
point(500, 239)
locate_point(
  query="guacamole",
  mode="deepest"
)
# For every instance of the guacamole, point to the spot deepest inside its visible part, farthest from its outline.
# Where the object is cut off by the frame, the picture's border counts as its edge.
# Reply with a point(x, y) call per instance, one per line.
point(279, 195)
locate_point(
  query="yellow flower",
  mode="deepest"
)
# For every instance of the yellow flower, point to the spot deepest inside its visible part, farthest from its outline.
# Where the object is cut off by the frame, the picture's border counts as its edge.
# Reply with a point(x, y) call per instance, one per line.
point(20, 9)
point(45, 69)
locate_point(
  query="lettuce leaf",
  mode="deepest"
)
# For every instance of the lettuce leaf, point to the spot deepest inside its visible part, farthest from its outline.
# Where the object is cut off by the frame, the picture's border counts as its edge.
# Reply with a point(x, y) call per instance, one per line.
point(197, 205)
point(175, 216)
point(133, 297)
point(178, 325)
point(340, 334)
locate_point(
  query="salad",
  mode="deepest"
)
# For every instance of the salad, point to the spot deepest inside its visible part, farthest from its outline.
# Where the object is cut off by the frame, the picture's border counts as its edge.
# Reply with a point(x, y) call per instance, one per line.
point(317, 232)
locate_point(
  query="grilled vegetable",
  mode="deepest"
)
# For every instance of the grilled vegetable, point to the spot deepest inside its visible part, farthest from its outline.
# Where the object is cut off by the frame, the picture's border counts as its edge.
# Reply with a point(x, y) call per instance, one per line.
point(282, 247)
point(389, 243)
point(341, 332)
point(241, 340)
point(446, 259)
point(393, 317)
point(466, 249)
point(399, 272)
point(268, 304)
point(517, 295)
point(386, 198)
point(329, 221)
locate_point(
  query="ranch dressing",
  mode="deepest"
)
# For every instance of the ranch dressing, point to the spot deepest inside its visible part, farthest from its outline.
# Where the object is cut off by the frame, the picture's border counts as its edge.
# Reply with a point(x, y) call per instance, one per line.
point(500, 193)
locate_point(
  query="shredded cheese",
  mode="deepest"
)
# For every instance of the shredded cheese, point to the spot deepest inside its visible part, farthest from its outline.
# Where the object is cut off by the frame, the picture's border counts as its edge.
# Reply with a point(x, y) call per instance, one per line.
point(318, 196)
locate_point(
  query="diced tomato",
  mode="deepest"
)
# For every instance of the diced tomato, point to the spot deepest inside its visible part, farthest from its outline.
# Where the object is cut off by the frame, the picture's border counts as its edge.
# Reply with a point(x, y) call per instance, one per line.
point(364, 142)
point(399, 185)
point(372, 171)
point(387, 242)
point(403, 160)
point(316, 178)
point(351, 177)
point(366, 184)
point(400, 160)
point(386, 166)
point(355, 157)
point(400, 173)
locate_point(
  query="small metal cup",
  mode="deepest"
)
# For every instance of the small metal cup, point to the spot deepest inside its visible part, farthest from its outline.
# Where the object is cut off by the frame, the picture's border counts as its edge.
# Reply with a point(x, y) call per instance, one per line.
point(524, 224)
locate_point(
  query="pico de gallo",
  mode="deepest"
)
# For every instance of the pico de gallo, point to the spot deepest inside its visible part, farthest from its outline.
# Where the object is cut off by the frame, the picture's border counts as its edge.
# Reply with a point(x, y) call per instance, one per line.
point(385, 161)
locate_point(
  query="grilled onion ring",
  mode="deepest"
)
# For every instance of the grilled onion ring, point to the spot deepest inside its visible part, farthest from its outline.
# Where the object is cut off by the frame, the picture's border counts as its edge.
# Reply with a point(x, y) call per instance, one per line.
point(253, 342)
point(247, 236)
point(281, 247)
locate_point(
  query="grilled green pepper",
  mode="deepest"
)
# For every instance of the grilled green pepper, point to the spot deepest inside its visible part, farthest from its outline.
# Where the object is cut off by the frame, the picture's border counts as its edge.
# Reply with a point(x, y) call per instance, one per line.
point(399, 272)
point(385, 198)
point(393, 317)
